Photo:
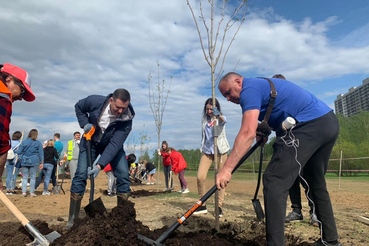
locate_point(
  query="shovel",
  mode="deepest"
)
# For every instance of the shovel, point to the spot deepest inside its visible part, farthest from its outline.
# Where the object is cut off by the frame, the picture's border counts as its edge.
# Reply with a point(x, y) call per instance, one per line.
point(61, 185)
point(170, 180)
point(255, 202)
point(39, 238)
point(203, 199)
point(96, 206)
point(57, 188)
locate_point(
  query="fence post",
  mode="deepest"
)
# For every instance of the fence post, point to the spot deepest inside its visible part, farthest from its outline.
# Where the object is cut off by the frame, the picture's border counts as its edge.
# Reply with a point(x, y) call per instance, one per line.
point(339, 173)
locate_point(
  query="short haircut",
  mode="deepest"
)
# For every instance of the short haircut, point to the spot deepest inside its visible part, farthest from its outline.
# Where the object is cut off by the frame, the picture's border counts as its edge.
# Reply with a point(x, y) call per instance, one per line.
point(57, 135)
point(226, 77)
point(279, 76)
point(76, 133)
point(121, 94)
point(131, 158)
point(16, 135)
point(33, 134)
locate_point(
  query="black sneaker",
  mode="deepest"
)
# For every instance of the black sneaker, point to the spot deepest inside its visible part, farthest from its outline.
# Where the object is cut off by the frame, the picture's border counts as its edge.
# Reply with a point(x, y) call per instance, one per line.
point(220, 212)
point(201, 210)
point(319, 242)
point(293, 216)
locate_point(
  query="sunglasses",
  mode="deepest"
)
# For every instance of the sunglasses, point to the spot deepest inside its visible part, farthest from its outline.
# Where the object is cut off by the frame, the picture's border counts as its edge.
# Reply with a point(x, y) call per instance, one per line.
point(21, 86)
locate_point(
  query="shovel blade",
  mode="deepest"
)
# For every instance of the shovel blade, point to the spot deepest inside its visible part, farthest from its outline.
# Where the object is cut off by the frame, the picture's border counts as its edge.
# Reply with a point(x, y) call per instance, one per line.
point(39, 239)
point(258, 209)
point(148, 241)
point(56, 189)
point(95, 207)
point(52, 236)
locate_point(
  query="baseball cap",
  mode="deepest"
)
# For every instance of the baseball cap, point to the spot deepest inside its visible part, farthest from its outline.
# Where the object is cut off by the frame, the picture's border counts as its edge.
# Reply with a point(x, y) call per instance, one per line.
point(23, 76)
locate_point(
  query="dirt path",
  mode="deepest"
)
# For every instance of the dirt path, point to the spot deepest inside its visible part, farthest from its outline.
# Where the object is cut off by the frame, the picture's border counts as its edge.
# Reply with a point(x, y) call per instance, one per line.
point(162, 209)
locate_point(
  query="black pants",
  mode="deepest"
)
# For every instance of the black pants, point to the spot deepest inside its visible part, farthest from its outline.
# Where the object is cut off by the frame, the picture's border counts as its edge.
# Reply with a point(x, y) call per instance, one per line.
point(295, 196)
point(316, 139)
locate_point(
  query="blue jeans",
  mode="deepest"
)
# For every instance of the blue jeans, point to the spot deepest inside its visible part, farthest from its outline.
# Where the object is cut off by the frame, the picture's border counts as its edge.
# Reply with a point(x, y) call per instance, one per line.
point(9, 174)
point(32, 171)
point(47, 171)
point(118, 164)
point(42, 174)
point(167, 176)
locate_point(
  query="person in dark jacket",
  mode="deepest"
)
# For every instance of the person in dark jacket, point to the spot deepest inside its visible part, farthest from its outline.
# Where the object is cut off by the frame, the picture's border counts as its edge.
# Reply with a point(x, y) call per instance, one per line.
point(50, 154)
point(112, 117)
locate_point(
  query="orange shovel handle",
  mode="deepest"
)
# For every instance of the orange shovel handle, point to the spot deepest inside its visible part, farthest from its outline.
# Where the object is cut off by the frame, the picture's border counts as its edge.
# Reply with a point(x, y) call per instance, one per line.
point(89, 134)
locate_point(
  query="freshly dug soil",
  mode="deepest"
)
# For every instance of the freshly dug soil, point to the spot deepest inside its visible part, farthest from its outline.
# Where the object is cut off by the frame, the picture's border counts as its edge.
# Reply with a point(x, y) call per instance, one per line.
point(150, 213)
point(120, 227)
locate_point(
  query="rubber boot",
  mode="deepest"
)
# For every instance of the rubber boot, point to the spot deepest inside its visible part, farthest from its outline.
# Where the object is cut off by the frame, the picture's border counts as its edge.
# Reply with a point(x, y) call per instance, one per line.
point(74, 207)
point(121, 198)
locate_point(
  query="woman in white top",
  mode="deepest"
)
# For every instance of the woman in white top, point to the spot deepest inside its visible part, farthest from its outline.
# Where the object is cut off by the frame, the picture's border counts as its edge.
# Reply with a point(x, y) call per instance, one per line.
point(207, 149)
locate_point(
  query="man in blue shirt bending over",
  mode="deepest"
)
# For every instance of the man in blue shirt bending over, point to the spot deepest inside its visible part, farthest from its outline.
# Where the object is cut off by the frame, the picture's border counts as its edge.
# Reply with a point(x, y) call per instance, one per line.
point(316, 130)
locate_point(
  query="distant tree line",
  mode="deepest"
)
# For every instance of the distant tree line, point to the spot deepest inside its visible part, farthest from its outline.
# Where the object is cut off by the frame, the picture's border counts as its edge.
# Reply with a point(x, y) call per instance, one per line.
point(353, 141)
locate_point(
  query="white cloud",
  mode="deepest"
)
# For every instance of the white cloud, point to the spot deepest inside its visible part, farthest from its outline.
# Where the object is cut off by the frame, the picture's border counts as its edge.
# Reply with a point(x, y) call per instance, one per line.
point(73, 49)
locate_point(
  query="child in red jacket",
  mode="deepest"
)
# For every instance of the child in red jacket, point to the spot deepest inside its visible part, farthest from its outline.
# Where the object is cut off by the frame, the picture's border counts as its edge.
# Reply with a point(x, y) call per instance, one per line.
point(179, 165)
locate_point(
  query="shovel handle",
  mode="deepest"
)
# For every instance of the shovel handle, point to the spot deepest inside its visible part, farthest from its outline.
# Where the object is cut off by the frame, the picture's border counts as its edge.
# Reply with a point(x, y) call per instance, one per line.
point(89, 134)
point(15, 211)
point(203, 199)
point(259, 174)
point(57, 173)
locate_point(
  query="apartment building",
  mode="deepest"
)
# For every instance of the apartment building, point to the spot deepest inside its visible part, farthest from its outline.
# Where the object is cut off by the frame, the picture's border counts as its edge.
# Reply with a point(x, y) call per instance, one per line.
point(354, 101)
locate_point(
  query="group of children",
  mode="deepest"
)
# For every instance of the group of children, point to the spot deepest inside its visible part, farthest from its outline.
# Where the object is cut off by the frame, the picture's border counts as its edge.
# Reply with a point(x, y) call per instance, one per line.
point(173, 162)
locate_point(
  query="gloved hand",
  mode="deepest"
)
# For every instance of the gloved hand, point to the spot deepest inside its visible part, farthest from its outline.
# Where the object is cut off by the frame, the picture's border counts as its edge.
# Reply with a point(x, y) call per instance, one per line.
point(95, 171)
point(87, 127)
point(216, 111)
point(159, 153)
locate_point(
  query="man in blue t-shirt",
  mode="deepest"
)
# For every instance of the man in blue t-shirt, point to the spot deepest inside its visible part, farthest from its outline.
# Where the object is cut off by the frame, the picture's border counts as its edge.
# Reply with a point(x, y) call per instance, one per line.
point(310, 146)
point(59, 149)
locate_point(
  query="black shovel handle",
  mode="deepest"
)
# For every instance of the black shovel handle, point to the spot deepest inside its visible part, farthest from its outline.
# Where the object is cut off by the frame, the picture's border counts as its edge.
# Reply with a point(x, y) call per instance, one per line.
point(259, 174)
point(203, 199)
point(92, 179)
point(89, 159)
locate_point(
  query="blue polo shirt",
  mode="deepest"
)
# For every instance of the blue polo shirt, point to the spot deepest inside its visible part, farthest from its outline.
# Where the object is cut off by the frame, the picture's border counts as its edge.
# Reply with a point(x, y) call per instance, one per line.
point(59, 147)
point(291, 100)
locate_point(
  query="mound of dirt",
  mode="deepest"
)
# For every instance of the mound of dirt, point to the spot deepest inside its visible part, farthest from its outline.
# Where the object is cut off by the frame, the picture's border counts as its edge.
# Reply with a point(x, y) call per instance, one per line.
point(120, 227)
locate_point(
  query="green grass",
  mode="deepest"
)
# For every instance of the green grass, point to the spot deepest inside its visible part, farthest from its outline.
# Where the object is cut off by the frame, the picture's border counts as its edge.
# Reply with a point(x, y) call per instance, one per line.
point(362, 177)
point(192, 194)
point(236, 175)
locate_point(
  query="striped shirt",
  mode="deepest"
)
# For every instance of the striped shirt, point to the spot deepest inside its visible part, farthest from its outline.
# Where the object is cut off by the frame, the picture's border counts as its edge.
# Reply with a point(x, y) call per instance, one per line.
point(5, 114)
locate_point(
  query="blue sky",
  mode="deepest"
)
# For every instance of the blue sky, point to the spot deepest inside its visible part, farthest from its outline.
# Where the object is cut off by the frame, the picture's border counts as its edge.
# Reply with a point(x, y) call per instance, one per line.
point(72, 49)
